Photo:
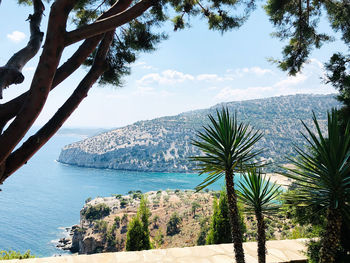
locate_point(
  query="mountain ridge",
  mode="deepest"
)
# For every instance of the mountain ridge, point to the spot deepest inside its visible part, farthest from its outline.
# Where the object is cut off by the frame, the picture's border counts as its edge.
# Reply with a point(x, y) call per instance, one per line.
point(164, 144)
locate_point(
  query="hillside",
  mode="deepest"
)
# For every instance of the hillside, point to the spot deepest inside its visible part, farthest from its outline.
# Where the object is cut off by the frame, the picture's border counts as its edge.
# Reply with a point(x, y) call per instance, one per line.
point(106, 232)
point(164, 144)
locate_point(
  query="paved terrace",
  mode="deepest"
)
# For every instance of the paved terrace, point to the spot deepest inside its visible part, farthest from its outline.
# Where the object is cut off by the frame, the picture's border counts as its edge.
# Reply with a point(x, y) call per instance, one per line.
point(278, 251)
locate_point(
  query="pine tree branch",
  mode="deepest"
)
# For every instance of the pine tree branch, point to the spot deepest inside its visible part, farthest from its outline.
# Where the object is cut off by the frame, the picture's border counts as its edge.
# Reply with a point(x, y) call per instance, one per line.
point(42, 80)
point(108, 24)
point(11, 73)
point(10, 109)
point(35, 142)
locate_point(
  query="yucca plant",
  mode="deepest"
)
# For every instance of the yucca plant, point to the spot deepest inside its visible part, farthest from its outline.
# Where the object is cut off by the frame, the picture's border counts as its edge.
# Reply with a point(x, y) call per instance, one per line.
point(258, 196)
point(227, 148)
point(322, 178)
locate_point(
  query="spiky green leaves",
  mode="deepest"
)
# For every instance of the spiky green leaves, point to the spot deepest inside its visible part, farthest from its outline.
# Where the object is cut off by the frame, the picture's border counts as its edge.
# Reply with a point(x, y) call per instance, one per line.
point(322, 173)
point(227, 146)
point(257, 193)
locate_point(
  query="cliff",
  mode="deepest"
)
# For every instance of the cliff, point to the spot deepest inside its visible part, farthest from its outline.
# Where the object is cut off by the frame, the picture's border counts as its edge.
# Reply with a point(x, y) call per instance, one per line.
point(164, 144)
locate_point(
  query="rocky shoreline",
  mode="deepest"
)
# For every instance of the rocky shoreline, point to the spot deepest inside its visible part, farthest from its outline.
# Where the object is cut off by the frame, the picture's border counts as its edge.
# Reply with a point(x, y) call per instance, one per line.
point(104, 220)
point(67, 243)
point(91, 235)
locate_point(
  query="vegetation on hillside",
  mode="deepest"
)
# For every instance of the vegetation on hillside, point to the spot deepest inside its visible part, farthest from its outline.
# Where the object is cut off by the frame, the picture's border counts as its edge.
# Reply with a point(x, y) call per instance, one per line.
point(11, 254)
point(164, 144)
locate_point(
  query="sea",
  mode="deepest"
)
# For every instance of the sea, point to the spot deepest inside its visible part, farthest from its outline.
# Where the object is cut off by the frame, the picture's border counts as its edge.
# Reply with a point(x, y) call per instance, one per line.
point(44, 197)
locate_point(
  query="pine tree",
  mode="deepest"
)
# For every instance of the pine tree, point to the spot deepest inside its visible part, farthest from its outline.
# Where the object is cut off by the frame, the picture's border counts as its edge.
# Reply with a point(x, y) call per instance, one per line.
point(137, 237)
point(220, 230)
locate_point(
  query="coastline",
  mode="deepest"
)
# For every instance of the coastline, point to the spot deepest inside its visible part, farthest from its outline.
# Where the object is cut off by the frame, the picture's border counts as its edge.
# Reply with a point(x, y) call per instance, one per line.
point(279, 179)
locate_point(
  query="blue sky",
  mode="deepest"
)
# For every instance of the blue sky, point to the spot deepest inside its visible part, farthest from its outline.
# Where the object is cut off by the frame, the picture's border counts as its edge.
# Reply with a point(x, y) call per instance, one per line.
point(193, 69)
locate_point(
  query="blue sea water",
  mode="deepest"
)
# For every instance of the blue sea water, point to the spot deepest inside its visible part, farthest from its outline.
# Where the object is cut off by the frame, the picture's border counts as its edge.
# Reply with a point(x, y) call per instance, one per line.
point(44, 196)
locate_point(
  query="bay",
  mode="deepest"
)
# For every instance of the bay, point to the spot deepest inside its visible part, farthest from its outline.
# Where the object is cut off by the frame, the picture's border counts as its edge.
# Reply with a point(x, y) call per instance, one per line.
point(44, 196)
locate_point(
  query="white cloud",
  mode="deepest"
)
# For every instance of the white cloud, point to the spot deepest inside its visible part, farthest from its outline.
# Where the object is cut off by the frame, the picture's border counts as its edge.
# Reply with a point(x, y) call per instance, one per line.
point(144, 91)
point(167, 77)
point(16, 36)
point(307, 81)
point(260, 71)
point(209, 77)
point(149, 91)
point(235, 94)
point(291, 81)
point(144, 65)
point(241, 72)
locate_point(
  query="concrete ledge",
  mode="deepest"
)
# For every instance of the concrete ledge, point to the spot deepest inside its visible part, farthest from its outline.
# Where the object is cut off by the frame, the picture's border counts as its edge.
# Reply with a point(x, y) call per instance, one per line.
point(279, 251)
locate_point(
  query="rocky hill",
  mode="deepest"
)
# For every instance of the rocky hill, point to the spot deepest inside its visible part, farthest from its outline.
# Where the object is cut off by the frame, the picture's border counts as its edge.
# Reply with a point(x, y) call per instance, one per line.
point(104, 222)
point(164, 144)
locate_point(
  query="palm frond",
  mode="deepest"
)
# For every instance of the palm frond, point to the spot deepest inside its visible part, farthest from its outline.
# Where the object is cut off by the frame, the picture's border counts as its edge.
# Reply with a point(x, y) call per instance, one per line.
point(322, 171)
point(227, 146)
point(257, 193)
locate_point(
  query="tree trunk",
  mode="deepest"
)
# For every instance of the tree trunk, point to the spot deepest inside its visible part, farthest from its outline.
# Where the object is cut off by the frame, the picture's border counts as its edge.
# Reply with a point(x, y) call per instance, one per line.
point(261, 238)
point(237, 237)
point(331, 239)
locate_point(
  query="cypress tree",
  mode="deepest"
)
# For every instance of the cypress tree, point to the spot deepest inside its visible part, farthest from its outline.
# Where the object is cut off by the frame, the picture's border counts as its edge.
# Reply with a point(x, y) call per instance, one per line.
point(220, 229)
point(137, 237)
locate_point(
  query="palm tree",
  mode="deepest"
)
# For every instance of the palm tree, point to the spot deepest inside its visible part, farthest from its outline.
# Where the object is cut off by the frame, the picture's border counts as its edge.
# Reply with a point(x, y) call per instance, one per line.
point(322, 177)
point(258, 196)
point(227, 149)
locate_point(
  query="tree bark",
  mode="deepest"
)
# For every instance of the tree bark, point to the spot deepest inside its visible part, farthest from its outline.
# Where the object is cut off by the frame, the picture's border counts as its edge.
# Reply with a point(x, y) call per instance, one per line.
point(331, 238)
point(11, 73)
point(261, 237)
point(237, 236)
point(35, 142)
point(109, 23)
point(10, 109)
point(42, 80)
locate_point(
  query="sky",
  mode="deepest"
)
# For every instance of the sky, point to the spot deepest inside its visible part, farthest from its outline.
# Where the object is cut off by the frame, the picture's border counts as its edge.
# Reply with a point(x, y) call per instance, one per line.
point(192, 69)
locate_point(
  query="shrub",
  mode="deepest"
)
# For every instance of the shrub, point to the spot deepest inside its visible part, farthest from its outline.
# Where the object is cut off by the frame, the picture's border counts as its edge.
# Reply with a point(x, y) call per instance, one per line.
point(137, 196)
point(101, 226)
point(155, 221)
point(173, 226)
point(11, 254)
point(117, 196)
point(203, 232)
point(117, 221)
point(125, 219)
point(195, 206)
point(159, 238)
point(88, 200)
point(123, 203)
point(96, 212)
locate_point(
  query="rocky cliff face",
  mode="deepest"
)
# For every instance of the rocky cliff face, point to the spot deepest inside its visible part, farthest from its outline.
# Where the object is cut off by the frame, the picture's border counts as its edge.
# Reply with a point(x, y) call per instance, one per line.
point(164, 144)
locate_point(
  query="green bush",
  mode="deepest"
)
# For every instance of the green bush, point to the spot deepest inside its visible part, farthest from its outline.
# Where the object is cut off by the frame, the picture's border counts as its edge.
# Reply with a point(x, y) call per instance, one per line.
point(173, 226)
point(96, 212)
point(11, 254)
point(159, 238)
point(125, 219)
point(101, 226)
point(123, 203)
point(117, 196)
point(203, 232)
point(117, 221)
